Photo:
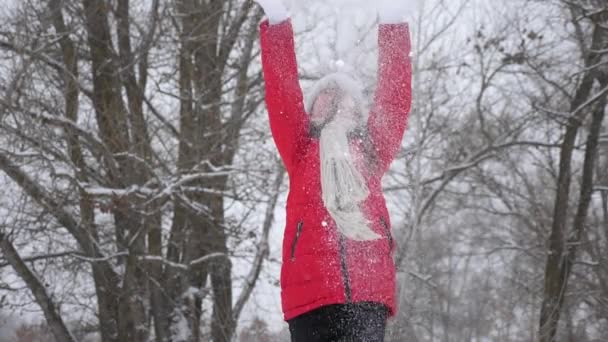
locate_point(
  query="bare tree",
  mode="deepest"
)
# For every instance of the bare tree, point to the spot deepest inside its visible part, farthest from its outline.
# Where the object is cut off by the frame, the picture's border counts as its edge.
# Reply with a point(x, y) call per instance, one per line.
point(90, 132)
point(564, 242)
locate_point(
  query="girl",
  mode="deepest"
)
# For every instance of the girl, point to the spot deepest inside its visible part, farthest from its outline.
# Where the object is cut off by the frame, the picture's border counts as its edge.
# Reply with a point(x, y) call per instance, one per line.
point(338, 274)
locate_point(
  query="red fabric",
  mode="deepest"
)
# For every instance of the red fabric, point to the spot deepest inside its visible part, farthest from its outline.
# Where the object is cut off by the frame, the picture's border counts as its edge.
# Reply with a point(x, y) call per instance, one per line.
point(320, 267)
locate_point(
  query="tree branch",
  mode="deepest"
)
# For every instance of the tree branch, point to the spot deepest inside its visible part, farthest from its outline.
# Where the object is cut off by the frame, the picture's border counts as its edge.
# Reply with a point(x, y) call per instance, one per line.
point(263, 248)
point(51, 313)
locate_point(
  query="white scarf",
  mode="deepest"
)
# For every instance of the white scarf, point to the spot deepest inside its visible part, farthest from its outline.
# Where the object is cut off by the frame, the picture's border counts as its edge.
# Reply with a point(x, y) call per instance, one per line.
point(343, 187)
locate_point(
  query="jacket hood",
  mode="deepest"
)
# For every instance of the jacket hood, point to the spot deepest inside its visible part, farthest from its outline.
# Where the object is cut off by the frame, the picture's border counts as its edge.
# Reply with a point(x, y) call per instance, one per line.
point(346, 83)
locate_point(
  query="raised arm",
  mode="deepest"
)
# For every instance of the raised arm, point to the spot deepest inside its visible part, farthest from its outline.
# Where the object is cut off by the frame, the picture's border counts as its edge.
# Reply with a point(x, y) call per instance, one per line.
point(288, 119)
point(393, 97)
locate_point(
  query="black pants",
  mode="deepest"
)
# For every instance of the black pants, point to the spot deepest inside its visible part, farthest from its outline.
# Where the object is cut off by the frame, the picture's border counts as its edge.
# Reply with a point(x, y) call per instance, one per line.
point(357, 322)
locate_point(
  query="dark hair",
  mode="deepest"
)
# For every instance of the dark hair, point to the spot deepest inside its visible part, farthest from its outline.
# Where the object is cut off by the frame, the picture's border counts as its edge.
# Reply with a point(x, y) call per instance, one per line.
point(360, 131)
point(369, 149)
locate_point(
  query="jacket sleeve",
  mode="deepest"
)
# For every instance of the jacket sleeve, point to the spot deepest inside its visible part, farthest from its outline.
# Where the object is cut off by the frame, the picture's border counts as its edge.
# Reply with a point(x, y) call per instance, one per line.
point(393, 97)
point(284, 100)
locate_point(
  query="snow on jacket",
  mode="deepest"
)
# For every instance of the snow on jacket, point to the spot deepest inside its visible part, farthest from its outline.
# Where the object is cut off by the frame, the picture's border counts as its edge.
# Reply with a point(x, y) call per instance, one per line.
point(320, 266)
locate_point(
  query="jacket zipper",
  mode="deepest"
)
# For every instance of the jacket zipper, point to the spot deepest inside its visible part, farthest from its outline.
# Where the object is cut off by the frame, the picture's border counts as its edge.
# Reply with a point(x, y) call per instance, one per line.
point(295, 240)
point(344, 269)
point(343, 263)
point(388, 234)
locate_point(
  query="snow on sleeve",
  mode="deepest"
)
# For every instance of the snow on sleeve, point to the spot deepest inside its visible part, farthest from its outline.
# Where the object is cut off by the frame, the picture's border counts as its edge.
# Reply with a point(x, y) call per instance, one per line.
point(394, 12)
point(274, 10)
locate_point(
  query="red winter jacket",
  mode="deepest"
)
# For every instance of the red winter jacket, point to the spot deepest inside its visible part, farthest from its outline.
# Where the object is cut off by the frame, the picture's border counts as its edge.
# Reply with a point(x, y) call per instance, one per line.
point(320, 266)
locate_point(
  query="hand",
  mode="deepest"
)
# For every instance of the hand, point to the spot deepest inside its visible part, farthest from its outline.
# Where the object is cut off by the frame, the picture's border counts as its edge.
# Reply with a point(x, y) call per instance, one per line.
point(396, 11)
point(274, 10)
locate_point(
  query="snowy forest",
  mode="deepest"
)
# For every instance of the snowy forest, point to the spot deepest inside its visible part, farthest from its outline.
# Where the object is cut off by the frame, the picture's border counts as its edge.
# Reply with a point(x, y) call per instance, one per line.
point(143, 199)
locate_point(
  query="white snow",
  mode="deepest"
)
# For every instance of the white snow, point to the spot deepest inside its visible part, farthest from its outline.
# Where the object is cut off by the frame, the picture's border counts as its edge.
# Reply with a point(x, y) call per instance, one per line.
point(274, 10)
point(207, 258)
point(180, 330)
point(393, 12)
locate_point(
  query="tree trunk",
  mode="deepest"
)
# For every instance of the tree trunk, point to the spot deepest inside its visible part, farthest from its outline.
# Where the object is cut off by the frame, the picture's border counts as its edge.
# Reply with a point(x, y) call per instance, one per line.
point(562, 248)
